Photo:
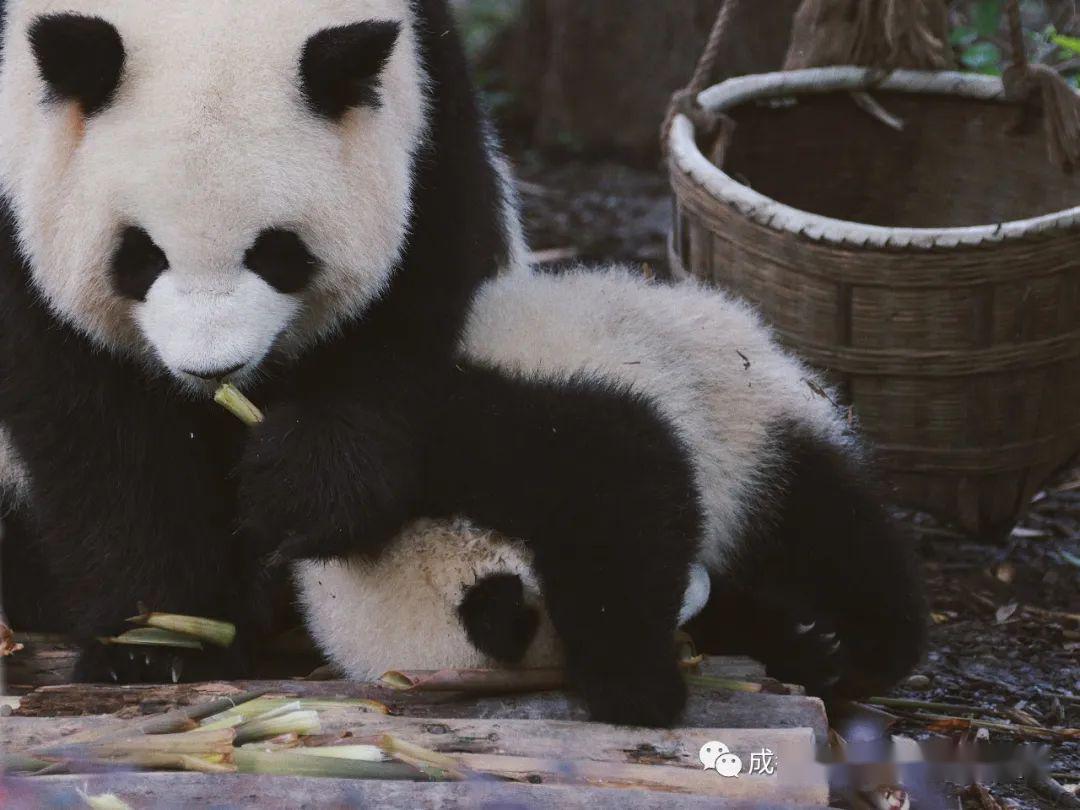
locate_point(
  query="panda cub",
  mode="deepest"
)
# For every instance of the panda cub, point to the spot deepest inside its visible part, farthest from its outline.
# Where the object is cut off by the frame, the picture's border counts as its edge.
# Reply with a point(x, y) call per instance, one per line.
point(300, 198)
point(625, 434)
point(473, 601)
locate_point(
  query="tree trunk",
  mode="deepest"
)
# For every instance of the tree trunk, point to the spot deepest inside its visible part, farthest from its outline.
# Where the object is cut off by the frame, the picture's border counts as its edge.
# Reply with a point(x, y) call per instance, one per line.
point(598, 76)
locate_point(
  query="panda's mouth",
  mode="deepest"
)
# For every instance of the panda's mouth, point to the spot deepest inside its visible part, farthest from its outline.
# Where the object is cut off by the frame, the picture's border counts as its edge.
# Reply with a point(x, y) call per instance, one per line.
point(216, 376)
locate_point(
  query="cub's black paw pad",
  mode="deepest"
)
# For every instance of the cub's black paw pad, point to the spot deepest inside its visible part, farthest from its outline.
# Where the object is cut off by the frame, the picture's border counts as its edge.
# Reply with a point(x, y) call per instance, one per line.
point(653, 699)
point(497, 619)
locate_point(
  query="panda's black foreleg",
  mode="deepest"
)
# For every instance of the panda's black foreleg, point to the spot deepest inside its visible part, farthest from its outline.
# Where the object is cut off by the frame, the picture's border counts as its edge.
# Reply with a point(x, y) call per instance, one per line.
point(600, 487)
point(822, 588)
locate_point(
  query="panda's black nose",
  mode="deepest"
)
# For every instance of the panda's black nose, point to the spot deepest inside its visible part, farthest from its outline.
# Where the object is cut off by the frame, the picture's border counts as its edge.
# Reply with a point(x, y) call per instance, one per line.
point(215, 375)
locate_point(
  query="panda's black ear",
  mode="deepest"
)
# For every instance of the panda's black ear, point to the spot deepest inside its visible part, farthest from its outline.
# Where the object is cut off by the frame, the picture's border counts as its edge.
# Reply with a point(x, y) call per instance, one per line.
point(80, 58)
point(341, 68)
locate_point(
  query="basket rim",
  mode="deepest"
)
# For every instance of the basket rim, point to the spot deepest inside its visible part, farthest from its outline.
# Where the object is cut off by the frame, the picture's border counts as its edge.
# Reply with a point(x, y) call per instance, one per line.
point(688, 158)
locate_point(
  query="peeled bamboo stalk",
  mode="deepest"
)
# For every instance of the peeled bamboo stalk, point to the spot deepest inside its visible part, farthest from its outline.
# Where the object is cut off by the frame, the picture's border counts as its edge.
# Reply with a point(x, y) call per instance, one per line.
point(212, 631)
point(290, 763)
point(300, 723)
point(21, 763)
point(201, 742)
point(354, 753)
point(178, 721)
point(265, 705)
point(475, 680)
point(230, 398)
point(422, 758)
point(155, 637)
point(104, 801)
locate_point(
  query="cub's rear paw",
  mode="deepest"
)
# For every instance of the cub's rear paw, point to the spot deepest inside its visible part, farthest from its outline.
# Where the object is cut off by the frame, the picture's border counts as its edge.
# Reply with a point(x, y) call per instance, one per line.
point(119, 664)
point(653, 697)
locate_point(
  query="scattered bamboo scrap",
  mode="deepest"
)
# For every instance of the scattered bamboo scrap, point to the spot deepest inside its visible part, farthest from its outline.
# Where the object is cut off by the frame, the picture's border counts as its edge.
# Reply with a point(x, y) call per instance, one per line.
point(931, 715)
point(8, 645)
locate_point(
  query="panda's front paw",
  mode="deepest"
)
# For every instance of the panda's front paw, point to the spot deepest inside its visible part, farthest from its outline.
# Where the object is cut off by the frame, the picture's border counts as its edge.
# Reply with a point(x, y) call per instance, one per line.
point(811, 653)
point(652, 697)
point(322, 483)
point(122, 664)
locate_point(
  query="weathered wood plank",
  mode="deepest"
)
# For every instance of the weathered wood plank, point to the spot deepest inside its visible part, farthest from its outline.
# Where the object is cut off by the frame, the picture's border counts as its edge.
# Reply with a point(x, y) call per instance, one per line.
point(192, 790)
point(541, 752)
point(521, 738)
point(707, 708)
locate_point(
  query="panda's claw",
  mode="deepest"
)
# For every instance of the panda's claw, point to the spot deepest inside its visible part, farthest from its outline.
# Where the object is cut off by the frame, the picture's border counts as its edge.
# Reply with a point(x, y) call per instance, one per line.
point(803, 629)
point(105, 663)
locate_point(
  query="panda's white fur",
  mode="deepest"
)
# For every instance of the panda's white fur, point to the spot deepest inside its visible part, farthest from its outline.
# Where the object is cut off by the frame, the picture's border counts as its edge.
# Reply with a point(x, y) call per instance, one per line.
point(401, 611)
point(704, 359)
point(206, 144)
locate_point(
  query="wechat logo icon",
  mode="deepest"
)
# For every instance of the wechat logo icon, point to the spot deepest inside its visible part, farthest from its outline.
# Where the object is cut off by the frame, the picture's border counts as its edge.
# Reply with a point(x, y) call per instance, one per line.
point(716, 756)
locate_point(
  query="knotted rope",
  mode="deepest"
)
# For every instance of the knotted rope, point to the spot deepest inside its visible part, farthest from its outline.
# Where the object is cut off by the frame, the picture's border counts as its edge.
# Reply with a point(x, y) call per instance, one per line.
point(1045, 92)
point(705, 75)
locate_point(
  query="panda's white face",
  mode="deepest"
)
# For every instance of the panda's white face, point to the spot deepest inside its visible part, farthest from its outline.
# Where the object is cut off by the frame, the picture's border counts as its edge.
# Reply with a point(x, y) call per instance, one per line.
point(201, 182)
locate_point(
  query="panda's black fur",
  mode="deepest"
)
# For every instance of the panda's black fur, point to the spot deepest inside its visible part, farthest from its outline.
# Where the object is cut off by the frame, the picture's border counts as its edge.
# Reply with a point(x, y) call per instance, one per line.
point(602, 490)
point(142, 498)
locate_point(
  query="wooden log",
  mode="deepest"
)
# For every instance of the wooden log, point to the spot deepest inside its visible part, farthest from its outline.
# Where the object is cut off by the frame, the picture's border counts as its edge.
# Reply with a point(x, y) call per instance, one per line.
point(707, 708)
point(188, 790)
point(44, 661)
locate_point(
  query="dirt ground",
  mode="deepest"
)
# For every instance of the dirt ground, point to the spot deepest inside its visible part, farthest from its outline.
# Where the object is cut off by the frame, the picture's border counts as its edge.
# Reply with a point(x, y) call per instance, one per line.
point(1006, 631)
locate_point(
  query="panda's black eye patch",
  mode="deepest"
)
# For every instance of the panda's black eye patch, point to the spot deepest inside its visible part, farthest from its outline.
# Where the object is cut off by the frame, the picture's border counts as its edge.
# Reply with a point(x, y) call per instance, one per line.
point(137, 264)
point(341, 67)
point(80, 58)
point(281, 258)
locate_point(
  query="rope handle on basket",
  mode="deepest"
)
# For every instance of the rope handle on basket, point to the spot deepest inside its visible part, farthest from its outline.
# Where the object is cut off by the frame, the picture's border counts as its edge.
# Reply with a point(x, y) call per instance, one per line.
point(1044, 90)
point(705, 75)
point(890, 34)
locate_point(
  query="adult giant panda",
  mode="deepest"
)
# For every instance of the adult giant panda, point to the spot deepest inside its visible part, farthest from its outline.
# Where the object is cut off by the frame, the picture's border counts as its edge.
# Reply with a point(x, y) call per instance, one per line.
point(625, 433)
point(298, 197)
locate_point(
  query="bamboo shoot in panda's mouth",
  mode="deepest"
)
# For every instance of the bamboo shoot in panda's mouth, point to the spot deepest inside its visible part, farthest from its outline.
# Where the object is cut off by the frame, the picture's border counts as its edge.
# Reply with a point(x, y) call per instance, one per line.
point(230, 398)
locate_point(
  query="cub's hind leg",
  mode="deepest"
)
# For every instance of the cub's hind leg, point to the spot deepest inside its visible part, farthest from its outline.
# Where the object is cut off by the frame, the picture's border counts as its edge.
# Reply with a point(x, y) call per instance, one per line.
point(824, 590)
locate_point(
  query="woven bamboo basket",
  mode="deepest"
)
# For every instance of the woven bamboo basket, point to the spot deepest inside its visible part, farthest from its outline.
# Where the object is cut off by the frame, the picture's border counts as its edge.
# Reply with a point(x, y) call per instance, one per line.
point(932, 272)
